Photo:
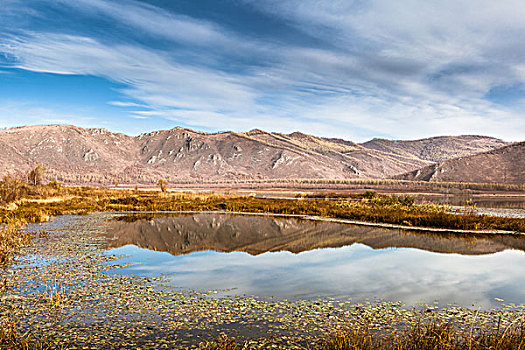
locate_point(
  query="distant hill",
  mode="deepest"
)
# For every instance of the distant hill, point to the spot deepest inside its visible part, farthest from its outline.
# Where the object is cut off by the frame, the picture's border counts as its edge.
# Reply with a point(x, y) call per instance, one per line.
point(98, 156)
point(502, 165)
point(437, 149)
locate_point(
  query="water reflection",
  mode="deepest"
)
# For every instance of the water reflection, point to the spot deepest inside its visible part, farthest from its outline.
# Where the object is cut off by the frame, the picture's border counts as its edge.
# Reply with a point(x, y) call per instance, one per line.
point(184, 234)
point(289, 258)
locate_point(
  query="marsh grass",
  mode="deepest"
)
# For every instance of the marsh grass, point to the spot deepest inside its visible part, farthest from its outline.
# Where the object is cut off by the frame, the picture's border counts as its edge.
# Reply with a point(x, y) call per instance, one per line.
point(434, 335)
point(444, 187)
point(55, 296)
point(11, 339)
point(223, 342)
point(397, 210)
point(12, 237)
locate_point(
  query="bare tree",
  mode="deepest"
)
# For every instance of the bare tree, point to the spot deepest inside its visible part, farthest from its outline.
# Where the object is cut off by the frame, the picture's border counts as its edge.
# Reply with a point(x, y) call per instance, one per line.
point(35, 176)
point(162, 184)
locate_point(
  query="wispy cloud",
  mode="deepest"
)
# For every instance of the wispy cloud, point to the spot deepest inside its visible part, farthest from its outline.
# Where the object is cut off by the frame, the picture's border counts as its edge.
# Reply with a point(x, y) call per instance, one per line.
point(405, 69)
point(126, 104)
point(27, 113)
point(155, 21)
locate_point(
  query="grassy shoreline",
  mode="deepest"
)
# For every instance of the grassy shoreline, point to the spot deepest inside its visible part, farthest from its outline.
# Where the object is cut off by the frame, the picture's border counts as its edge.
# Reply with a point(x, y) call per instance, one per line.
point(373, 208)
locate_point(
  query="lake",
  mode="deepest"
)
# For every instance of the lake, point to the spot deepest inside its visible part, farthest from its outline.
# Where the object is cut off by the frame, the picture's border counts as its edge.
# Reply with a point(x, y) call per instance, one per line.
point(288, 258)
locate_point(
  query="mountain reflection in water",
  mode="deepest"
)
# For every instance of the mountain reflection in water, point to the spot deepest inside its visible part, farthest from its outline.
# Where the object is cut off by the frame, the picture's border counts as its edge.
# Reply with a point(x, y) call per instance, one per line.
point(184, 234)
point(289, 258)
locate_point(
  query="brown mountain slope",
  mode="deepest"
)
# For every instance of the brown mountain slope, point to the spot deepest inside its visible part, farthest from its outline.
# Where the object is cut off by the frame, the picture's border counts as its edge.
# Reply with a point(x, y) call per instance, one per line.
point(76, 155)
point(360, 161)
point(502, 165)
point(437, 149)
point(70, 153)
point(194, 155)
point(11, 160)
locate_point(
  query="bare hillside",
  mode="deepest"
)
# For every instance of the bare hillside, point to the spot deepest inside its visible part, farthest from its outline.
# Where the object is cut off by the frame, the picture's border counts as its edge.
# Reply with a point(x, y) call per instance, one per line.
point(437, 149)
point(502, 165)
point(90, 156)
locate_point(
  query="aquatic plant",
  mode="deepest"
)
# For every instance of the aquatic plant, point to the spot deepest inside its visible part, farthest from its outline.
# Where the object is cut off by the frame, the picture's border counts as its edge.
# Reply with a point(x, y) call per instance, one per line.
point(55, 296)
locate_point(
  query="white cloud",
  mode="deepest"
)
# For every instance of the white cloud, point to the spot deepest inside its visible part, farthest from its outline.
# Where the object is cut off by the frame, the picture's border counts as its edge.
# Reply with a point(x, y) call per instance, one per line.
point(126, 104)
point(134, 116)
point(26, 113)
point(404, 69)
point(152, 77)
point(155, 21)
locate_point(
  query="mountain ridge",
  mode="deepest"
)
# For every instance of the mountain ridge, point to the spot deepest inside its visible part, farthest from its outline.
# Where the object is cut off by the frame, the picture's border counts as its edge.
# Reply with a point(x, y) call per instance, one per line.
point(99, 156)
point(505, 164)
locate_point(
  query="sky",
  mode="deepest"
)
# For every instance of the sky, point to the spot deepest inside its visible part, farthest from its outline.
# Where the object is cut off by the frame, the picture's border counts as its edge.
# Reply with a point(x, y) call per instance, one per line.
point(350, 69)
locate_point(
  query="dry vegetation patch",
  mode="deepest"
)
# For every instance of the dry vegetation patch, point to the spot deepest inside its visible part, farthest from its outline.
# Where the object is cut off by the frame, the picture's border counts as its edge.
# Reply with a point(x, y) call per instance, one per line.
point(41, 202)
point(12, 339)
point(12, 237)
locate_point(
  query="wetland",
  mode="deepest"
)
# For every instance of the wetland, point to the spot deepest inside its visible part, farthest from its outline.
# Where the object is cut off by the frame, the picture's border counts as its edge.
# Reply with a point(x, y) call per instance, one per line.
point(134, 269)
point(110, 280)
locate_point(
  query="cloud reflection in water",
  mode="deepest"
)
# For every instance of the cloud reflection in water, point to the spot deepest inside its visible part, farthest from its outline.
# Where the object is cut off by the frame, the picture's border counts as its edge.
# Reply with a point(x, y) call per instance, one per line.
point(356, 271)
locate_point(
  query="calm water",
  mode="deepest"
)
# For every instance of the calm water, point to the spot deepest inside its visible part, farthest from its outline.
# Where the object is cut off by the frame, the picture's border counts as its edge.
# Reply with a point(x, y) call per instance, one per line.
point(289, 258)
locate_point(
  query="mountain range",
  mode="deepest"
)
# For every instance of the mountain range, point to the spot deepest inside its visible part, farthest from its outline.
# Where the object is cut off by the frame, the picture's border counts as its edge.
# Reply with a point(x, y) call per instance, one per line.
point(77, 155)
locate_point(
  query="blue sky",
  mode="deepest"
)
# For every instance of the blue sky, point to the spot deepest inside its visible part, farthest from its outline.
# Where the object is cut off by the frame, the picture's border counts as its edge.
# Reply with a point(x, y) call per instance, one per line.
point(351, 69)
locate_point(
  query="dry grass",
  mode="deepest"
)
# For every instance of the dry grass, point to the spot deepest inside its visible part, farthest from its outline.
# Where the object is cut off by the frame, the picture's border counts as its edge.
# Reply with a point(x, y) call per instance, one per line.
point(55, 296)
point(431, 336)
point(11, 339)
point(12, 237)
point(373, 208)
point(445, 187)
point(434, 335)
point(223, 342)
